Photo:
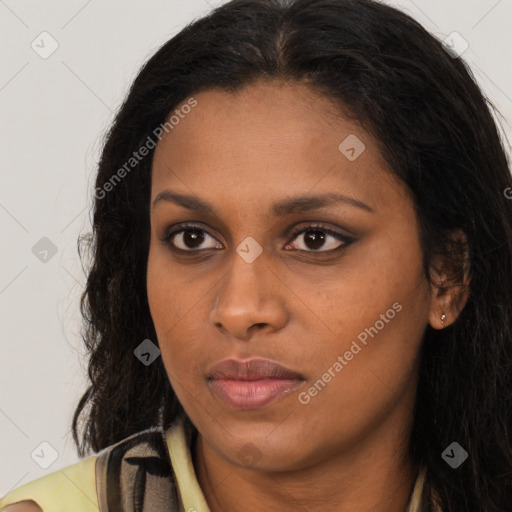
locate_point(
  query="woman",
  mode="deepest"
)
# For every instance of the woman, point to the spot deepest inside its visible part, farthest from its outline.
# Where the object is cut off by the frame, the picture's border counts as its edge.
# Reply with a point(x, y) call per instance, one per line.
point(300, 292)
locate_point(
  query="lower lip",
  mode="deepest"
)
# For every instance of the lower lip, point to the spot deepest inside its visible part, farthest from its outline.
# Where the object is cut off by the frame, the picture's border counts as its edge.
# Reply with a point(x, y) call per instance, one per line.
point(249, 394)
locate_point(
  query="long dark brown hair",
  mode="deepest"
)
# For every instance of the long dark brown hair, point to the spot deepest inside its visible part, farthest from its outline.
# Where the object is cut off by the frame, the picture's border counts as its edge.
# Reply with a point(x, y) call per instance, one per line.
point(437, 133)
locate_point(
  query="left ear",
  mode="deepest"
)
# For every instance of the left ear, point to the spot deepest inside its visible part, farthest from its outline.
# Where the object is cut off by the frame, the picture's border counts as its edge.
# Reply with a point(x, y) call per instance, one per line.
point(450, 281)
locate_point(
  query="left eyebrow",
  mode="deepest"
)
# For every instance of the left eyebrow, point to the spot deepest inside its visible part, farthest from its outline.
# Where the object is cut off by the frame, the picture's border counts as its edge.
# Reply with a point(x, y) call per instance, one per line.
point(299, 204)
point(309, 203)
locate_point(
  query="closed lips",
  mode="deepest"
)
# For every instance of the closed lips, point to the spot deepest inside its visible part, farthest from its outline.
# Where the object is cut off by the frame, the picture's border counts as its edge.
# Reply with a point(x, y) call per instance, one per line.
point(253, 383)
point(252, 369)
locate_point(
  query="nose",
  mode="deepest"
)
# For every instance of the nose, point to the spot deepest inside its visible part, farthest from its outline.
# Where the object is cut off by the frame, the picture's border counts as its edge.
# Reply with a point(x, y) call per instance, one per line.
point(250, 298)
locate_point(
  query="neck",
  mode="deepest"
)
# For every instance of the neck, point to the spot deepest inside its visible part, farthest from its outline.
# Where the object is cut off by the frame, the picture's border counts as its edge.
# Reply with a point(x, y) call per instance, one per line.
point(372, 475)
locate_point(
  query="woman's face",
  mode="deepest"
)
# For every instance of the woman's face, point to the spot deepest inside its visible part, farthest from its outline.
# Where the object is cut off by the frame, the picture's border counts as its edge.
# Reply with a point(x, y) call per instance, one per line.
point(343, 304)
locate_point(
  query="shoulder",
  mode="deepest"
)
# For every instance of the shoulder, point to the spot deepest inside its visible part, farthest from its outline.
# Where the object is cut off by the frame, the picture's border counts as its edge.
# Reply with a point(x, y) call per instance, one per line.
point(138, 464)
point(74, 484)
point(24, 506)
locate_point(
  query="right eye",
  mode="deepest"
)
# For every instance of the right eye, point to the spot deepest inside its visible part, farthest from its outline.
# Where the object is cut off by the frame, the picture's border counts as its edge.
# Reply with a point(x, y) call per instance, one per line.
point(190, 238)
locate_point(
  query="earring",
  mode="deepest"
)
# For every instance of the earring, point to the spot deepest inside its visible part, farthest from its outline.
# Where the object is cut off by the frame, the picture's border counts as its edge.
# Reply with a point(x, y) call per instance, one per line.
point(443, 318)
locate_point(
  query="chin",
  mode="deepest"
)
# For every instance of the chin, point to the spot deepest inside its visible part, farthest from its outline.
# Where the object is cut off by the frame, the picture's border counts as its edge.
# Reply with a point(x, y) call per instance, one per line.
point(262, 447)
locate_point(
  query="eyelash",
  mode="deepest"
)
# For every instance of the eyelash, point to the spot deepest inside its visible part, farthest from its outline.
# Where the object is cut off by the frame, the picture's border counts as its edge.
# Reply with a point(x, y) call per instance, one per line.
point(298, 231)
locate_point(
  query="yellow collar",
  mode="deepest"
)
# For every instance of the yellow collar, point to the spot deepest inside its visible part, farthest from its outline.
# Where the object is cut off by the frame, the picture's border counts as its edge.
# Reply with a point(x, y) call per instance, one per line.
point(188, 487)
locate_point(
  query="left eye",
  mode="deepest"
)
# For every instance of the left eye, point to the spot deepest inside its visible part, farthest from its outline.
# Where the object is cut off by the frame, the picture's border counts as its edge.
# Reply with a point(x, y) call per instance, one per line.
point(315, 238)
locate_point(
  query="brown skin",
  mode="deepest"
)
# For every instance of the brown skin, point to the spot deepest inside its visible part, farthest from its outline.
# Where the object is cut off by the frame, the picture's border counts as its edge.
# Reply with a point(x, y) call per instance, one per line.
point(345, 450)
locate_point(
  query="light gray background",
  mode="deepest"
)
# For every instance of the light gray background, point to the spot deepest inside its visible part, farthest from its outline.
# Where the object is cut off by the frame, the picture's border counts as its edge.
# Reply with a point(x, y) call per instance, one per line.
point(55, 111)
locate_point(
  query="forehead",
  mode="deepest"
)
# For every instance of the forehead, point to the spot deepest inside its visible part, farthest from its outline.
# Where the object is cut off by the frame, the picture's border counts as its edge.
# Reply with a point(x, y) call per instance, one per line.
point(266, 139)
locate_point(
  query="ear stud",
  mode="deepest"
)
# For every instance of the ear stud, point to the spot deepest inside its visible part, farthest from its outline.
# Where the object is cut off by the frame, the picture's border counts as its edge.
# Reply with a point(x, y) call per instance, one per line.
point(443, 318)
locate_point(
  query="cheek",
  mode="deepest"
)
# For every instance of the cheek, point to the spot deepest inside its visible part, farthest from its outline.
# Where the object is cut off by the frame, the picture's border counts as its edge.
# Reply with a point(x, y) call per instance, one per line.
point(352, 297)
point(172, 293)
point(160, 289)
point(178, 307)
point(378, 313)
point(167, 304)
point(365, 376)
